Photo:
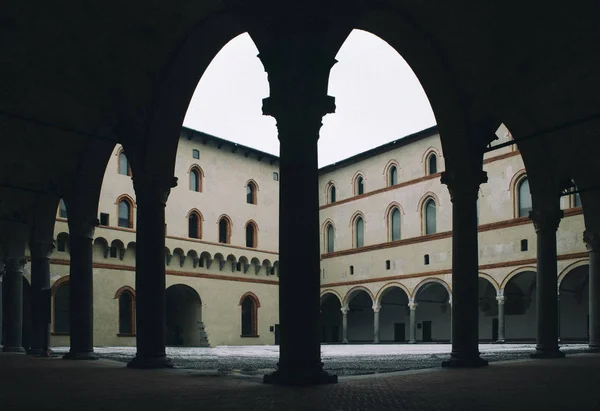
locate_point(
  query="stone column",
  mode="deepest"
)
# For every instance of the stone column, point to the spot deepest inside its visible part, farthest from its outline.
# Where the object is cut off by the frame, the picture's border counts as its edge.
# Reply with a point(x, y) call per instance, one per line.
point(413, 322)
point(151, 199)
point(13, 288)
point(463, 187)
point(592, 242)
point(376, 310)
point(1, 301)
point(344, 324)
point(546, 221)
point(501, 300)
point(81, 286)
point(298, 101)
point(40, 296)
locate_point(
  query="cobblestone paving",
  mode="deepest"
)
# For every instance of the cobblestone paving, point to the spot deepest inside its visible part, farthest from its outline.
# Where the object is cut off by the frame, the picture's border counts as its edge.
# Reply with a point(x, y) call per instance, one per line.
point(28, 383)
point(340, 360)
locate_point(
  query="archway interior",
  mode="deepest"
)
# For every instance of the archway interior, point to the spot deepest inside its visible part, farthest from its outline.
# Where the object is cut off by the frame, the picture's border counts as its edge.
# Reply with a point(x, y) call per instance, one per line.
point(573, 305)
point(394, 316)
point(488, 311)
point(360, 317)
point(331, 319)
point(520, 307)
point(434, 314)
point(184, 317)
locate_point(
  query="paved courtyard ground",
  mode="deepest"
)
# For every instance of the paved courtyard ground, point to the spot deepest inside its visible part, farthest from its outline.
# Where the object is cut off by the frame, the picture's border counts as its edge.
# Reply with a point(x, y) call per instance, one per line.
point(338, 359)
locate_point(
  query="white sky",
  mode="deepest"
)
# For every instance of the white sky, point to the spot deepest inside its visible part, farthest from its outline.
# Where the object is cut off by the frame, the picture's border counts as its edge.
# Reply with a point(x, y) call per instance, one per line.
point(378, 99)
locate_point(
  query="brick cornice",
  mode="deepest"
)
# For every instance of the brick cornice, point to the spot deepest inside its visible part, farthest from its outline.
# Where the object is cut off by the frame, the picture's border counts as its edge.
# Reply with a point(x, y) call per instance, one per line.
point(483, 267)
point(173, 272)
point(445, 234)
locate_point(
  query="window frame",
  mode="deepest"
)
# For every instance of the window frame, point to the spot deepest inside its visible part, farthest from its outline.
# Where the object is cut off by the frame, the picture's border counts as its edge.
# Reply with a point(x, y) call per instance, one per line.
point(254, 226)
point(359, 184)
point(56, 287)
point(119, 168)
point(228, 229)
point(391, 212)
point(198, 215)
point(125, 198)
point(518, 197)
point(62, 206)
point(126, 290)
point(355, 243)
point(252, 195)
point(253, 315)
point(426, 203)
point(329, 240)
point(194, 152)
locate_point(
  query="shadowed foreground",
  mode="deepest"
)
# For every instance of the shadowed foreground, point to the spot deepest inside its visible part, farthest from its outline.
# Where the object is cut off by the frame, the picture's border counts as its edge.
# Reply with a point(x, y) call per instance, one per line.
point(70, 385)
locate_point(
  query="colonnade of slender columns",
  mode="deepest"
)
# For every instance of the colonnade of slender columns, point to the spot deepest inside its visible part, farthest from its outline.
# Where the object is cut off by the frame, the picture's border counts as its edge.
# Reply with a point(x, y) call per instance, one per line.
point(546, 221)
point(40, 297)
point(501, 300)
point(151, 198)
point(463, 188)
point(13, 288)
point(81, 285)
point(592, 242)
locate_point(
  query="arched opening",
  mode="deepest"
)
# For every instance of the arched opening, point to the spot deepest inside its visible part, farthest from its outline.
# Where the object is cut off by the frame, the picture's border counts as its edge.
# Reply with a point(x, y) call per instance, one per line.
point(394, 316)
point(330, 238)
point(359, 186)
point(194, 225)
point(195, 180)
point(224, 230)
point(125, 213)
point(430, 217)
point(359, 232)
point(332, 194)
point(249, 314)
point(331, 319)
point(251, 193)
point(126, 313)
point(61, 309)
point(573, 305)
point(488, 311)
point(393, 176)
point(524, 203)
point(432, 164)
point(360, 317)
point(434, 314)
point(394, 224)
point(62, 209)
point(124, 167)
point(251, 235)
point(520, 307)
point(184, 317)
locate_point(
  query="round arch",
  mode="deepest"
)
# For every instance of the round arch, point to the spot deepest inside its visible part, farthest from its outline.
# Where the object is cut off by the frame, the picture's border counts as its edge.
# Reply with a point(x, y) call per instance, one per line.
point(334, 293)
point(423, 283)
point(352, 293)
point(387, 287)
point(491, 279)
point(184, 317)
point(514, 273)
point(568, 269)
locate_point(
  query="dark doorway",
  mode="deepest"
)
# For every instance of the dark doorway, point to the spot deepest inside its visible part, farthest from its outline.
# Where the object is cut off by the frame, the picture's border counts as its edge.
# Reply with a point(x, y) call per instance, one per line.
point(399, 332)
point(427, 331)
point(495, 329)
point(335, 333)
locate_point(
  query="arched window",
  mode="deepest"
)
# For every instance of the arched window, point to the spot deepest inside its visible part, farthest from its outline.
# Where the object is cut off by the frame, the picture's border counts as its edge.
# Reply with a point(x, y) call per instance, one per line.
point(432, 163)
point(62, 209)
point(126, 313)
point(124, 168)
point(430, 217)
point(332, 194)
point(251, 240)
point(393, 176)
point(61, 309)
point(330, 238)
point(194, 225)
point(360, 186)
point(524, 198)
point(224, 230)
point(395, 224)
point(359, 232)
point(249, 317)
point(125, 214)
point(195, 180)
point(251, 193)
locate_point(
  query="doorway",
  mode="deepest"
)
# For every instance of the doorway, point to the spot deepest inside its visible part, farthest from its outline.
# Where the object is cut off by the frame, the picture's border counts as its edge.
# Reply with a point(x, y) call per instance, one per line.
point(427, 331)
point(494, 329)
point(399, 332)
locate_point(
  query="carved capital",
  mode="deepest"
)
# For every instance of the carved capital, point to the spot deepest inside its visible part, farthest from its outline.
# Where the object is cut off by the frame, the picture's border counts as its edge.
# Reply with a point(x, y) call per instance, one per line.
point(413, 305)
point(591, 240)
point(376, 308)
point(501, 299)
point(546, 219)
point(82, 226)
point(14, 264)
point(153, 189)
point(344, 310)
point(463, 184)
point(41, 249)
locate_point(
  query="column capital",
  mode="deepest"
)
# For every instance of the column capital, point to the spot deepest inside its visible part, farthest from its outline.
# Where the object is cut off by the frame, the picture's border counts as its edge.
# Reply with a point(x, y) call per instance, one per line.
point(591, 240)
point(41, 249)
point(12, 264)
point(413, 305)
point(463, 184)
point(153, 188)
point(82, 226)
point(344, 310)
point(501, 299)
point(376, 308)
point(546, 218)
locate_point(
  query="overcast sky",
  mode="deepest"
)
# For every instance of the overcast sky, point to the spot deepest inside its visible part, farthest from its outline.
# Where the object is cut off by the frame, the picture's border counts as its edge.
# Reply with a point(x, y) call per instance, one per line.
point(378, 99)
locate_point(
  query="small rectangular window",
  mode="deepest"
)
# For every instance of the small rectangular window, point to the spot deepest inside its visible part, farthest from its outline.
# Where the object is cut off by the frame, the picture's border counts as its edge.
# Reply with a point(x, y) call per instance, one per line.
point(387, 264)
point(524, 245)
point(104, 219)
point(196, 154)
point(426, 259)
point(275, 176)
point(351, 270)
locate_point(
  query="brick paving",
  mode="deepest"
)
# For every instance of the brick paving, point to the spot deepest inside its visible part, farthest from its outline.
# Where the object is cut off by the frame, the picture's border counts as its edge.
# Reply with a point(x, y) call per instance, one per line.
point(28, 383)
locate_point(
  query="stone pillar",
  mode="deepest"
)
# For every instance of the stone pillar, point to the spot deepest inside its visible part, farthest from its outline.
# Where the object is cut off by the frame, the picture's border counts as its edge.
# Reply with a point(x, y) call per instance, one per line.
point(40, 296)
point(344, 324)
point(13, 288)
point(501, 300)
point(1, 302)
point(81, 287)
point(546, 221)
point(592, 242)
point(413, 322)
point(463, 187)
point(151, 198)
point(376, 310)
point(298, 101)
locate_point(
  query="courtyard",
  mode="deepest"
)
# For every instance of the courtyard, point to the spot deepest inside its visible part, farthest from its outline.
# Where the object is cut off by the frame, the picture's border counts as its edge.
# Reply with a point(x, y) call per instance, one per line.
point(342, 360)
